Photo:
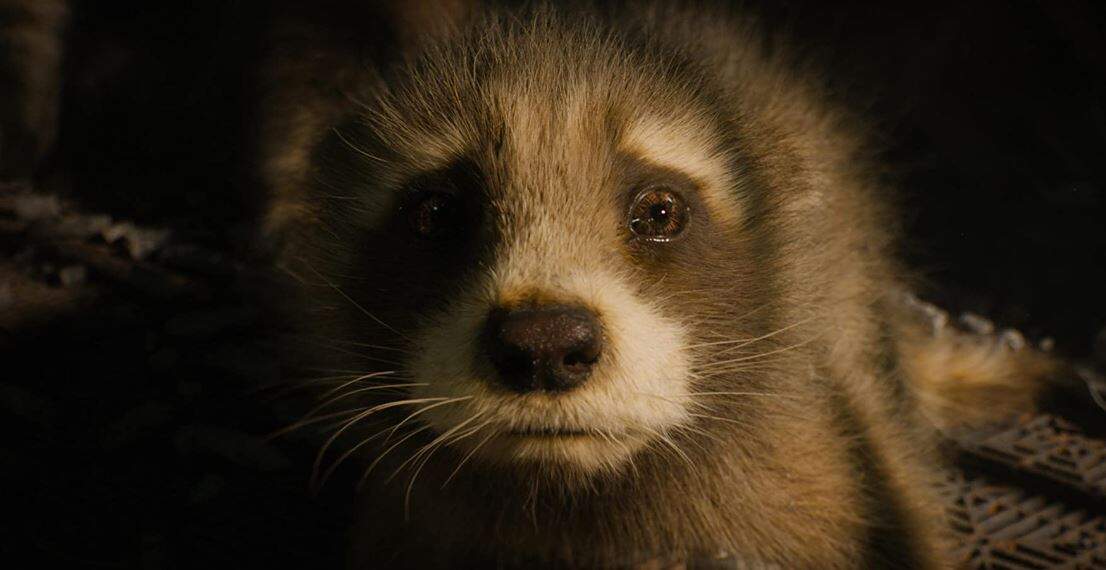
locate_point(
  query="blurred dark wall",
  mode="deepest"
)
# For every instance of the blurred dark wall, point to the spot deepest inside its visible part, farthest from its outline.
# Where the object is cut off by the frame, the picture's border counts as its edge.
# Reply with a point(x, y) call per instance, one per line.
point(992, 114)
point(157, 109)
point(994, 119)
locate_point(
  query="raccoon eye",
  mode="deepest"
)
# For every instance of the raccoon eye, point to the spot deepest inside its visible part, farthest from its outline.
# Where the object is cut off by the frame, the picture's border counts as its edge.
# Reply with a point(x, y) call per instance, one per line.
point(658, 214)
point(433, 215)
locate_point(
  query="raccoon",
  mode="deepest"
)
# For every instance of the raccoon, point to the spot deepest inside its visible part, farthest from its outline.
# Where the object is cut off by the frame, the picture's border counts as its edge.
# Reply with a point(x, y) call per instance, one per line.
point(597, 284)
point(603, 282)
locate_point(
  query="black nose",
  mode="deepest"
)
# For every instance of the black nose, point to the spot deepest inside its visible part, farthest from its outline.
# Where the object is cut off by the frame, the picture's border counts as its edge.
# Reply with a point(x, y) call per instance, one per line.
point(543, 347)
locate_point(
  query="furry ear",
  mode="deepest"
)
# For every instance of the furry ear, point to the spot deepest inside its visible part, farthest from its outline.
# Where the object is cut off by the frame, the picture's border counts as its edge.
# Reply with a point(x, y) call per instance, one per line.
point(415, 21)
point(317, 59)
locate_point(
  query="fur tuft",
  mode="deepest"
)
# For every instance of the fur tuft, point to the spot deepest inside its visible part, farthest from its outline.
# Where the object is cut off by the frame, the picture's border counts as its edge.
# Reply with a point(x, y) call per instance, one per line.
point(966, 379)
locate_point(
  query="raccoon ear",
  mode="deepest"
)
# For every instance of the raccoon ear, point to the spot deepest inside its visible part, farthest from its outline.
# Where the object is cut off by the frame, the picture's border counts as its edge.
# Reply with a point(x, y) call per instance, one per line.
point(318, 56)
point(414, 22)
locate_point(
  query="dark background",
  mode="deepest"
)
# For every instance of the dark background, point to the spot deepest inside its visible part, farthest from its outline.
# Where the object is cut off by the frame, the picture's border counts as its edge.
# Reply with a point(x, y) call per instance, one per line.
point(993, 120)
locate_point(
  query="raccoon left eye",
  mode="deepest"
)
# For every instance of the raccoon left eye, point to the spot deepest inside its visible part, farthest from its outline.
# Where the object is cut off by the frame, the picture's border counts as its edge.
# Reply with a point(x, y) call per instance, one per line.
point(434, 215)
point(659, 214)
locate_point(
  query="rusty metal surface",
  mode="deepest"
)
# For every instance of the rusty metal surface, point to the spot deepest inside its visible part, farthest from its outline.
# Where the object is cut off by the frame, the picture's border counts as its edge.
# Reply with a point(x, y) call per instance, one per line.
point(1040, 504)
point(1005, 526)
point(1047, 446)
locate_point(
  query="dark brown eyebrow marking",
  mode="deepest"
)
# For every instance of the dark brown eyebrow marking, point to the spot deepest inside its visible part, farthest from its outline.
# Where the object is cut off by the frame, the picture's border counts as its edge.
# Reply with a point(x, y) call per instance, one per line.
point(460, 175)
point(636, 172)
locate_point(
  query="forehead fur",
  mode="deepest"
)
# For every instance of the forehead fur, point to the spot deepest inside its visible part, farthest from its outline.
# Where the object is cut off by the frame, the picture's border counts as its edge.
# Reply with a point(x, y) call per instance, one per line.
point(535, 83)
point(543, 106)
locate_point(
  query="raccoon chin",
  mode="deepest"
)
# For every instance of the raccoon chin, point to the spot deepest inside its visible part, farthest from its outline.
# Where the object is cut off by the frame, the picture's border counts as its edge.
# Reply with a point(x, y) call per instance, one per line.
point(583, 451)
point(580, 434)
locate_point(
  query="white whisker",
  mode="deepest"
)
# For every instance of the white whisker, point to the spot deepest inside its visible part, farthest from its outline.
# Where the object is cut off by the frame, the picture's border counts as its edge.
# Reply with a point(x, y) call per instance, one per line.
point(354, 147)
point(424, 409)
point(710, 365)
point(353, 380)
point(746, 341)
point(429, 450)
point(354, 392)
point(306, 422)
point(358, 418)
point(379, 458)
point(469, 454)
point(356, 304)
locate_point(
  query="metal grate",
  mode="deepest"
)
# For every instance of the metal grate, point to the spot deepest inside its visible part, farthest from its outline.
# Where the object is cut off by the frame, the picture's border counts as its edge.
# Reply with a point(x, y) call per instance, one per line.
point(1001, 526)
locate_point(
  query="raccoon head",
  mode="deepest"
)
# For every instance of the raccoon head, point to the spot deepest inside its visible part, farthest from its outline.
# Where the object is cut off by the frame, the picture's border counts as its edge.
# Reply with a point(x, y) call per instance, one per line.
point(541, 232)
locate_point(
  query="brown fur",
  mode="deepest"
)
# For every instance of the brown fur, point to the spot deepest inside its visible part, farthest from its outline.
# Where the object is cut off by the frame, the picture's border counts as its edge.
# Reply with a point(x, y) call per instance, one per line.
point(819, 454)
point(965, 380)
point(826, 470)
point(830, 467)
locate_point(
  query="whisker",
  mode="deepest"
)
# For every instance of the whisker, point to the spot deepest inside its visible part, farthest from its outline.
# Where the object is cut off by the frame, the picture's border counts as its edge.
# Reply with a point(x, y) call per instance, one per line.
point(379, 458)
point(764, 394)
point(701, 432)
point(358, 418)
point(755, 356)
point(306, 422)
point(293, 384)
point(469, 454)
point(426, 459)
point(756, 364)
point(318, 483)
point(352, 450)
point(665, 439)
point(629, 456)
point(283, 268)
point(354, 353)
point(376, 346)
point(349, 393)
point(718, 418)
point(448, 433)
point(343, 371)
point(354, 147)
point(691, 395)
point(744, 342)
point(424, 409)
point(353, 380)
point(356, 304)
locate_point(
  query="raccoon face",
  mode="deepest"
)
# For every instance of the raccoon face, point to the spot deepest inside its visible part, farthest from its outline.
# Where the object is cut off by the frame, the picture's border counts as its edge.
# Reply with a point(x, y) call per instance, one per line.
point(537, 243)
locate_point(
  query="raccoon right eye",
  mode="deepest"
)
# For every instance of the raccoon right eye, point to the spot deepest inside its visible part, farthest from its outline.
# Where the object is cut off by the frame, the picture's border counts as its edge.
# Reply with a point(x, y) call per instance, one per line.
point(658, 214)
point(434, 215)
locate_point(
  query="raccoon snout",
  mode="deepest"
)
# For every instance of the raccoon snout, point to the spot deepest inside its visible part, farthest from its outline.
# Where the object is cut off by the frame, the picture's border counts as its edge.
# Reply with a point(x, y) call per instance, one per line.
point(550, 348)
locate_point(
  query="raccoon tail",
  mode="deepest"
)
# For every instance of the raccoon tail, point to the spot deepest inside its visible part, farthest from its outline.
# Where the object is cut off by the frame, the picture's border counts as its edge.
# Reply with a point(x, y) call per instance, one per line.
point(965, 375)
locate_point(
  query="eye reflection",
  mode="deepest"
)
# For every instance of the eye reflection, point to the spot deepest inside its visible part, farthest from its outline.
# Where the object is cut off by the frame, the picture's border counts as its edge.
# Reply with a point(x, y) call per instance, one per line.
point(658, 214)
point(434, 215)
